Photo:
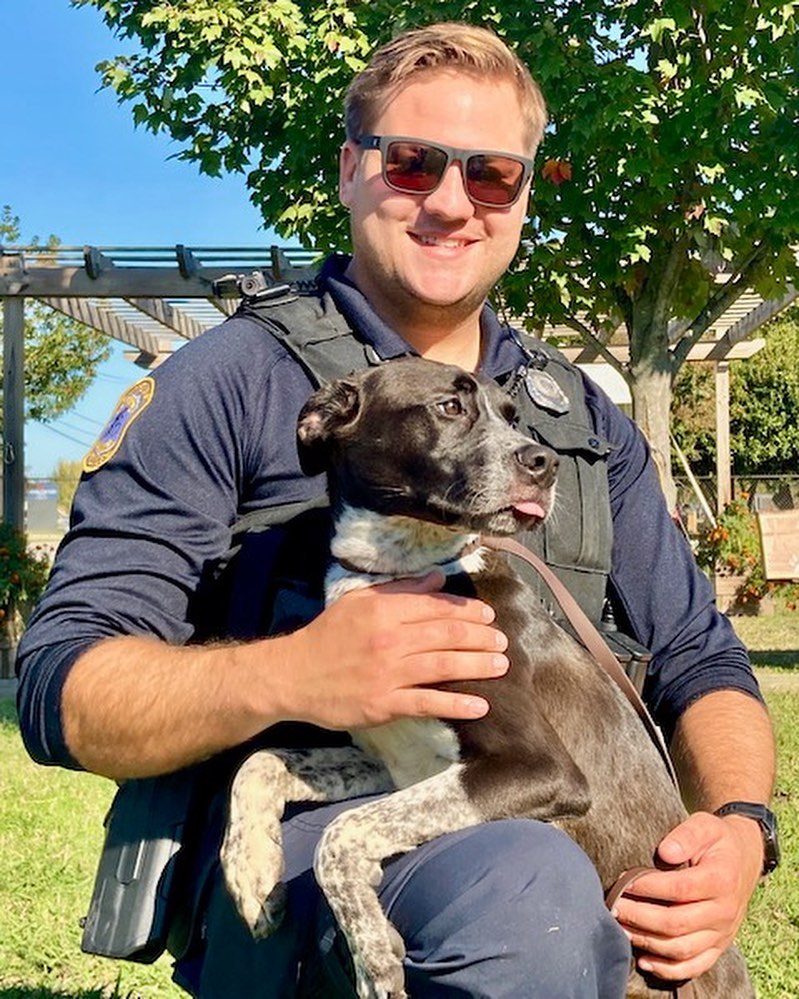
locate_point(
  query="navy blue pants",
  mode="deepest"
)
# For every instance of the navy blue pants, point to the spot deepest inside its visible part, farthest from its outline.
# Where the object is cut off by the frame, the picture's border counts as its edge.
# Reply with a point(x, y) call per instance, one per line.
point(508, 909)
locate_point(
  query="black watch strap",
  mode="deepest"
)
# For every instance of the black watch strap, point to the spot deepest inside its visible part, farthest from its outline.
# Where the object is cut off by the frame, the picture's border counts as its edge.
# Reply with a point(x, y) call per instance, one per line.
point(767, 821)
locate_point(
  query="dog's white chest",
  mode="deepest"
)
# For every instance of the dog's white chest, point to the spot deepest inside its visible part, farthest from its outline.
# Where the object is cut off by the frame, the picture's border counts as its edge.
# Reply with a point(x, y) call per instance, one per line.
point(411, 748)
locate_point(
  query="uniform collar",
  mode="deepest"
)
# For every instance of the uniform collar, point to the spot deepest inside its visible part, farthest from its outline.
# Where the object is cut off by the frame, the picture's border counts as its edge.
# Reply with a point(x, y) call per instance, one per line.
point(501, 354)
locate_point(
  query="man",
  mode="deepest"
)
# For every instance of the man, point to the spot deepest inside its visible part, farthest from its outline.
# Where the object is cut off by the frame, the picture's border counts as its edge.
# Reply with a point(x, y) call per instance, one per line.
point(109, 683)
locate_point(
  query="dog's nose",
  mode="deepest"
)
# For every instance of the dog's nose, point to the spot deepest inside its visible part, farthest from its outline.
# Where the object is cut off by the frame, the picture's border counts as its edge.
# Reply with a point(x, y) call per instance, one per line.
point(539, 462)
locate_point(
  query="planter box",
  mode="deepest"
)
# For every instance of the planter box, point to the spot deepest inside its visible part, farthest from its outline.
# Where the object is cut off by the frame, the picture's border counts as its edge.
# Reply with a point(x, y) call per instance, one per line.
point(8, 653)
point(728, 589)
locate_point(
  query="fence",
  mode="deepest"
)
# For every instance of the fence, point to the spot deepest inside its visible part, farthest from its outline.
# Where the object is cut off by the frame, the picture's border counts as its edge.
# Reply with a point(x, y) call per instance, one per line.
point(762, 493)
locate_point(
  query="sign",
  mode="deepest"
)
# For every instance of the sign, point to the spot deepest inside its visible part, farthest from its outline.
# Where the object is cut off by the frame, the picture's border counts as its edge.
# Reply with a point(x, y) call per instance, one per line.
point(779, 540)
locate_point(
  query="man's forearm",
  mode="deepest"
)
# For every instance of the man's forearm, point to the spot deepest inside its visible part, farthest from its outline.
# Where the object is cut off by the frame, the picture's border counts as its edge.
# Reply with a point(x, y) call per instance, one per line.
point(724, 751)
point(136, 707)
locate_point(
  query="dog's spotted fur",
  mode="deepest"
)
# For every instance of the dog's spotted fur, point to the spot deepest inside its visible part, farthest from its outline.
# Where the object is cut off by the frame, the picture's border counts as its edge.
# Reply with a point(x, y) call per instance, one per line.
point(560, 743)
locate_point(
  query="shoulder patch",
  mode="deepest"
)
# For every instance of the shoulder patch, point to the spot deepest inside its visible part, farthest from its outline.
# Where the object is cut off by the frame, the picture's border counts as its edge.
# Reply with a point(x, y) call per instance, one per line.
point(131, 405)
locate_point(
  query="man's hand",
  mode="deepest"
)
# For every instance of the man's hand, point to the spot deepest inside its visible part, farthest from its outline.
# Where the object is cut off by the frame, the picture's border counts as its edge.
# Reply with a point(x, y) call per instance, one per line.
point(377, 654)
point(681, 921)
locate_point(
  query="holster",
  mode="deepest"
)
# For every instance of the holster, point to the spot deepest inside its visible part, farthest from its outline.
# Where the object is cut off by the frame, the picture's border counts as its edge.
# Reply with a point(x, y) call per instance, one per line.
point(137, 881)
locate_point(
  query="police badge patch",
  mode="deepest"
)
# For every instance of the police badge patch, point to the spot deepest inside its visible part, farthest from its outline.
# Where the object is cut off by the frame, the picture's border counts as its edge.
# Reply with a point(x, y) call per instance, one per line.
point(545, 391)
point(130, 406)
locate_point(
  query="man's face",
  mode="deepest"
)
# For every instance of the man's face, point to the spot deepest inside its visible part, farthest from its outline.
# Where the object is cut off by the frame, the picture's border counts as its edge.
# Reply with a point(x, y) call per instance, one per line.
point(436, 254)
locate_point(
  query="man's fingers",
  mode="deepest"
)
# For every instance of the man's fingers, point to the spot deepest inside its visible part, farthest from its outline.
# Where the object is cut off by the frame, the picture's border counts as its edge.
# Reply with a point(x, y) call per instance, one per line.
point(420, 599)
point(447, 667)
point(427, 702)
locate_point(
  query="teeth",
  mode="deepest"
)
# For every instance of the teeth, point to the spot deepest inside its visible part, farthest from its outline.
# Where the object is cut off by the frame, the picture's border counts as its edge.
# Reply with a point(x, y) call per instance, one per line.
point(452, 244)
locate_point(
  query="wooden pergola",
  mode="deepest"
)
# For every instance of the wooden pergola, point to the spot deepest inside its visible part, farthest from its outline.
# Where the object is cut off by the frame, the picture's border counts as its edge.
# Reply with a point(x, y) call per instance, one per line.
point(154, 298)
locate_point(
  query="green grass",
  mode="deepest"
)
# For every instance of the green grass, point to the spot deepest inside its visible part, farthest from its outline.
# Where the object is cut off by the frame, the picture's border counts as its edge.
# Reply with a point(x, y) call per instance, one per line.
point(51, 832)
point(773, 640)
point(50, 838)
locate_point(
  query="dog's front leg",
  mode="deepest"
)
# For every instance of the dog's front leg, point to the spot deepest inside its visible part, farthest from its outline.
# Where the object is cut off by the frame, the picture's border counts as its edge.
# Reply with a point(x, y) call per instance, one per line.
point(349, 860)
point(252, 849)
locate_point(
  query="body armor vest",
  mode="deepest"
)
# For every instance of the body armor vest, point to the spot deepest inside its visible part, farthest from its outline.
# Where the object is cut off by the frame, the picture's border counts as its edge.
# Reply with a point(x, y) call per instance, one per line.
point(276, 564)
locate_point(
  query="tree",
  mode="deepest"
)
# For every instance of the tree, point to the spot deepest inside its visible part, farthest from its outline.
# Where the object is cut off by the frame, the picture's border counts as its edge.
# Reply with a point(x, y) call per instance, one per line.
point(764, 403)
point(67, 476)
point(667, 179)
point(764, 406)
point(61, 355)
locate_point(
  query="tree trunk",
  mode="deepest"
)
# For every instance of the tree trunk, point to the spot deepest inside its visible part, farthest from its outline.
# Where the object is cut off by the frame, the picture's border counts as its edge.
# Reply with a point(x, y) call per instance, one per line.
point(651, 394)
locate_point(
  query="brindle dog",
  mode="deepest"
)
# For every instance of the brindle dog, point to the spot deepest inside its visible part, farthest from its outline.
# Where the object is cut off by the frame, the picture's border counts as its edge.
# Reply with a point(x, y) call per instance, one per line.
point(424, 457)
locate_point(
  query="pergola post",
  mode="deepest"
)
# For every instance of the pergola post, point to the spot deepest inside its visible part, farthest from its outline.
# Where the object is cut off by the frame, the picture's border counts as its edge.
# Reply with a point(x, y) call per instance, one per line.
point(723, 449)
point(14, 412)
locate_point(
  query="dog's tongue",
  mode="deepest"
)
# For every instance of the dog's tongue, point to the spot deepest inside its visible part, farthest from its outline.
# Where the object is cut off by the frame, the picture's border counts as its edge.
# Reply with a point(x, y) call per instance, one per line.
point(530, 509)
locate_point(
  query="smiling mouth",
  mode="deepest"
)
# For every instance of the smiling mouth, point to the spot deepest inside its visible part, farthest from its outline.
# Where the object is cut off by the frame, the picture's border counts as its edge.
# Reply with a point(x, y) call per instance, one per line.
point(444, 242)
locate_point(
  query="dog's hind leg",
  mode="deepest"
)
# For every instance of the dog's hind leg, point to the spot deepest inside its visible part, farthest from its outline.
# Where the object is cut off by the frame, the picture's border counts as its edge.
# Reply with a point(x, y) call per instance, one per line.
point(252, 849)
point(348, 867)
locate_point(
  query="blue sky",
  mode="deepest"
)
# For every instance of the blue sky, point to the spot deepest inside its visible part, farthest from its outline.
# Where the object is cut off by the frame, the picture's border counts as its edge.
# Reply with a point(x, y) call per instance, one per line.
point(72, 164)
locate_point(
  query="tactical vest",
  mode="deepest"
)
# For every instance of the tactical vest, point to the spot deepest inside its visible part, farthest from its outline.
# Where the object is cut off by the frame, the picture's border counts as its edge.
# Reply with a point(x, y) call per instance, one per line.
point(275, 569)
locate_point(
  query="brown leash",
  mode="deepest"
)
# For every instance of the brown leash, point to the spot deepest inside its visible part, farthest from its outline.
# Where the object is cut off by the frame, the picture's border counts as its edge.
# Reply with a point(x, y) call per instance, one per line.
point(623, 883)
point(591, 638)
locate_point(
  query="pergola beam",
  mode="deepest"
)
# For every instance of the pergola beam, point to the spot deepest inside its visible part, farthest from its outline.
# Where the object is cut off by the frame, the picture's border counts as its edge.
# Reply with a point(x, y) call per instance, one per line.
point(702, 351)
point(752, 321)
point(108, 322)
point(169, 316)
point(152, 297)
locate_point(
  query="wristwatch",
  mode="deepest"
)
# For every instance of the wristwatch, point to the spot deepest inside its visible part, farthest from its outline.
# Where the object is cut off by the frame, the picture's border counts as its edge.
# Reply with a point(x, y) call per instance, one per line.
point(767, 821)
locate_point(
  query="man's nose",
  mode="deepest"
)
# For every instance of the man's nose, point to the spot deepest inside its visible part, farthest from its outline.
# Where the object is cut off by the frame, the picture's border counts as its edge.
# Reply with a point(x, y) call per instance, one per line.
point(450, 198)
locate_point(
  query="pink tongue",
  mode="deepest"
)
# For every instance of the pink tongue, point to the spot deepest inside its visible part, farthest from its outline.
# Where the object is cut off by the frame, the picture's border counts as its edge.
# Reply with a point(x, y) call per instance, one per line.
point(531, 509)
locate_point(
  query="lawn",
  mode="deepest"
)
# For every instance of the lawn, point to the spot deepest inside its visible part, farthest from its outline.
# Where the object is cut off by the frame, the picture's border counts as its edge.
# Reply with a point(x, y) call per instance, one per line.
point(51, 831)
point(50, 838)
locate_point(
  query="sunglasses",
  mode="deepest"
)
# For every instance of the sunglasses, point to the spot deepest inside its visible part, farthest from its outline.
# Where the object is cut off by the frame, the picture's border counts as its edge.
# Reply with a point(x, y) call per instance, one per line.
point(413, 166)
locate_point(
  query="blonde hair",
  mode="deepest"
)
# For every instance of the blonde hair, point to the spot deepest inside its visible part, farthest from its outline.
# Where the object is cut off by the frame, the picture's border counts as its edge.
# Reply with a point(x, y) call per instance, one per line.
point(447, 45)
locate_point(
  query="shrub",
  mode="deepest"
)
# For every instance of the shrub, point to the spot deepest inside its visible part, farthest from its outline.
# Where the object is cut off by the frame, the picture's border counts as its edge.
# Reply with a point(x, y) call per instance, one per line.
point(23, 574)
point(732, 548)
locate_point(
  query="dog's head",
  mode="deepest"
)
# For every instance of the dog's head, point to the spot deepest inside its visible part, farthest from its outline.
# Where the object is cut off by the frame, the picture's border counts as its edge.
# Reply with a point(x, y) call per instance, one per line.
point(420, 439)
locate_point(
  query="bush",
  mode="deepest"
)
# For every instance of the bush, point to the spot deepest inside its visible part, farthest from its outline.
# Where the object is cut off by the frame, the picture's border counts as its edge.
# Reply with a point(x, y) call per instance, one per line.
point(23, 575)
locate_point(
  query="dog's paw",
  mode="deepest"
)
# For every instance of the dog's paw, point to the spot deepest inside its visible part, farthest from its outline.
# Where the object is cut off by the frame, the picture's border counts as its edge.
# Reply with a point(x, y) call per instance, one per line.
point(381, 974)
point(271, 912)
point(253, 868)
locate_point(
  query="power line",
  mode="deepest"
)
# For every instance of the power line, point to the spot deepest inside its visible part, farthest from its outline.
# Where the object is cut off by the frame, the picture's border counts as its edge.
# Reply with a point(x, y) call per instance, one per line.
point(88, 419)
point(74, 440)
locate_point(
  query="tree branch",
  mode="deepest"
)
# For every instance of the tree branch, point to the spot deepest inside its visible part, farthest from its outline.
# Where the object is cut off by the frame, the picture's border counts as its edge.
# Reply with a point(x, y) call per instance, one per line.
point(592, 340)
point(719, 302)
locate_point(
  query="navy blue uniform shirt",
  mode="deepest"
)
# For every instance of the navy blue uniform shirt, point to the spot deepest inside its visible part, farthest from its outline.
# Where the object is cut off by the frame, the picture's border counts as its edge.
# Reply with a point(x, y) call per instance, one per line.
point(217, 441)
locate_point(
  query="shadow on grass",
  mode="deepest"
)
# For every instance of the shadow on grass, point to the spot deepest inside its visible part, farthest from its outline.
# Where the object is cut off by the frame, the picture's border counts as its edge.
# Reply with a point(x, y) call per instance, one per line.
point(775, 658)
point(34, 992)
point(8, 713)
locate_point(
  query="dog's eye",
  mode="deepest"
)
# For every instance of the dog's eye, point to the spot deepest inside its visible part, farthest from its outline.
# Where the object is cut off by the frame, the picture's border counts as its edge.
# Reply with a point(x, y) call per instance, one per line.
point(450, 407)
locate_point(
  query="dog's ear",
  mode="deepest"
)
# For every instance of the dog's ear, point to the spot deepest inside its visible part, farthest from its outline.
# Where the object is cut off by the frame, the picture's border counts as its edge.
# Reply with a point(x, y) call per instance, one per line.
point(329, 410)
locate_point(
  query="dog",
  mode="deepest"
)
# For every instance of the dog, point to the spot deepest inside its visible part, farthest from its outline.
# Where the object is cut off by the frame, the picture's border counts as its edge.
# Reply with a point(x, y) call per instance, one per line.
point(423, 458)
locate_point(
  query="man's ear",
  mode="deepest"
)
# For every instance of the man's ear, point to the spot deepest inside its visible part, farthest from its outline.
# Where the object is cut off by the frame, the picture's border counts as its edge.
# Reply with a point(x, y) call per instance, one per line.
point(330, 410)
point(347, 166)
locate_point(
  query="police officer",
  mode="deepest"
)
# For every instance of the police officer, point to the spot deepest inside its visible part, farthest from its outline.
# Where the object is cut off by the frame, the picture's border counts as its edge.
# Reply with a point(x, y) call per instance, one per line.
point(114, 679)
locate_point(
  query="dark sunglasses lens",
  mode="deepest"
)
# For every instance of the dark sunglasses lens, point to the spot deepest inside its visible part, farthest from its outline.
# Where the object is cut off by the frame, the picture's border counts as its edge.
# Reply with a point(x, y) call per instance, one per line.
point(494, 180)
point(413, 167)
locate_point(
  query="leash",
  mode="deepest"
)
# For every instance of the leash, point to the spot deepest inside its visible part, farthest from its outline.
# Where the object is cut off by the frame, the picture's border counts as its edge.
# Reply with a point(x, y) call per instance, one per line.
point(625, 881)
point(590, 638)
point(596, 645)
